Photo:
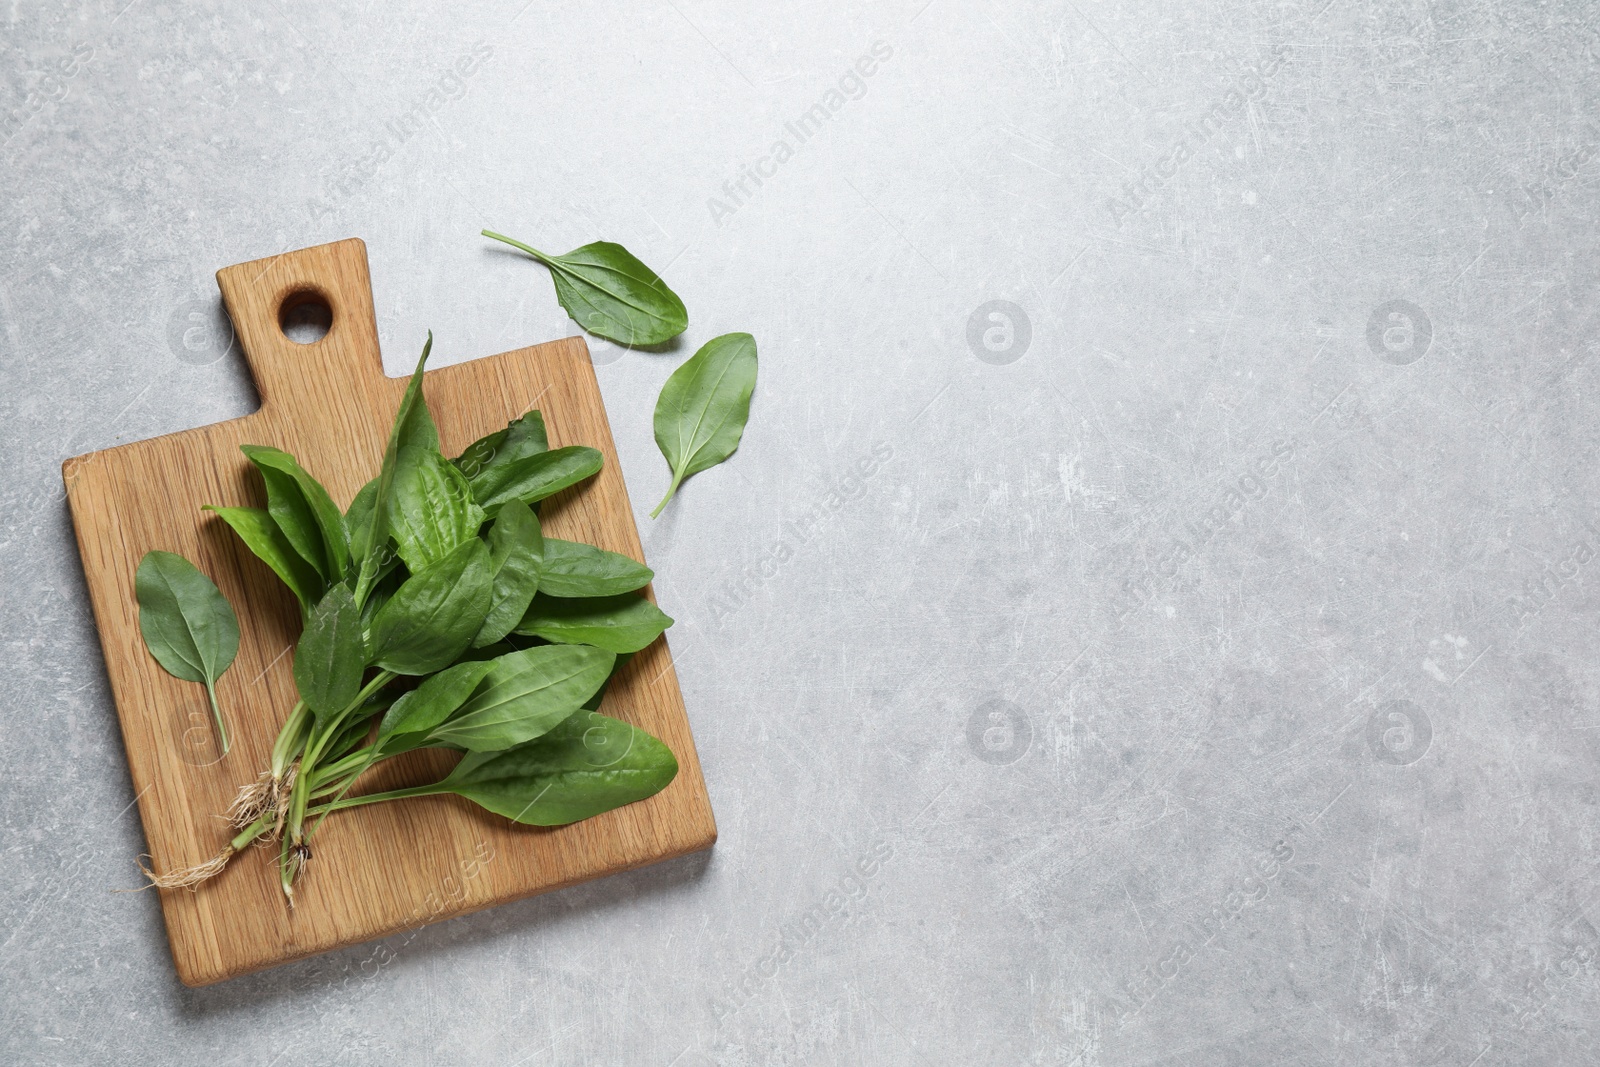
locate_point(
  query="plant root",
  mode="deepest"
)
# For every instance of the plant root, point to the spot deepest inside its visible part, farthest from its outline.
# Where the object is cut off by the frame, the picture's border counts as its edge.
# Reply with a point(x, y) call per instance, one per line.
point(255, 799)
point(189, 877)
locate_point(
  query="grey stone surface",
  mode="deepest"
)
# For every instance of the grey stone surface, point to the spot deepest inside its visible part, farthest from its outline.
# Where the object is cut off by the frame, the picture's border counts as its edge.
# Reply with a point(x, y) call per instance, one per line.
point(1205, 670)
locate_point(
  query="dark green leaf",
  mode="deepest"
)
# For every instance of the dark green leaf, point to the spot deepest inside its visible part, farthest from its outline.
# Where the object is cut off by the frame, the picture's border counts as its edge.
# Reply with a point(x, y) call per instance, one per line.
point(303, 510)
point(358, 522)
point(704, 406)
point(611, 294)
point(574, 569)
point(534, 477)
point(516, 553)
point(187, 624)
point(431, 509)
point(434, 615)
point(328, 659)
point(412, 426)
point(520, 439)
point(262, 536)
point(407, 722)
point(586, 765)
point(623, 623)
point(524, 694)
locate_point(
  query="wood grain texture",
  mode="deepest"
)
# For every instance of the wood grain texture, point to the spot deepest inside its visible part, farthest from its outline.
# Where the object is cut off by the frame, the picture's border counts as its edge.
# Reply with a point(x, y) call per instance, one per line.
point(387, 867)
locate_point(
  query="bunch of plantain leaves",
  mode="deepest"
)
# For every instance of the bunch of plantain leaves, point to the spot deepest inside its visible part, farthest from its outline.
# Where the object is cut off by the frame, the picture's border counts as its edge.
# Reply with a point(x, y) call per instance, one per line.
point(436, 615)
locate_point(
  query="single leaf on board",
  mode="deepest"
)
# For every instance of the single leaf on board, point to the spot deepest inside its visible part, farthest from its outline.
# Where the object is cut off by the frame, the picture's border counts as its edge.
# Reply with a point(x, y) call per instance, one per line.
point(534, 477)
point(574, 569)
point(524, 694)
point(431, 510)
point(434, 615)
point(187, 624)
point(261, 535)
point(413, 425)
point(302, 508)
point(520, 439)
point(516, 554)
point(328, 660)
point(703, 408)
point(611, 294)
point(623, 623)
point(407, 722)
point(586, 765)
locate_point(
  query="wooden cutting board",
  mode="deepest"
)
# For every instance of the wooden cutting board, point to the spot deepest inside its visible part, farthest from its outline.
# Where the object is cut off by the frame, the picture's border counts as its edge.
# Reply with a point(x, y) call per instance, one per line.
point(388, 867)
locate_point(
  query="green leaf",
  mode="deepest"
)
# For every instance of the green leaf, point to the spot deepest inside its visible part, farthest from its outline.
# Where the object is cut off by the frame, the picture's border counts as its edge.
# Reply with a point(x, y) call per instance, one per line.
point(412, 426)
point(623, 623)
point(611, 294)
point(586, 765)
point(434, 615)
point(520, 439)
point(524, 694)
point(407, 722)
point(358, 521)
point(574, 569)
point(262, 536)
point(516, 555)
point(704, 406)
point(187, 624)
point(328, 660)
point(534, 477)
point(432, 510)
point(303, 510)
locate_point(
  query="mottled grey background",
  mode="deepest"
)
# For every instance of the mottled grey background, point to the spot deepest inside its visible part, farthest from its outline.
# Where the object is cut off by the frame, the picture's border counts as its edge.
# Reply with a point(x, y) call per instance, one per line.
point(1208, 674)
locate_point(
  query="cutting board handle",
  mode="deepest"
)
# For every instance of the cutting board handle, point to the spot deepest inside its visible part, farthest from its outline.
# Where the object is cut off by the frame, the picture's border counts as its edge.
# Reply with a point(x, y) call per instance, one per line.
point(288, 374)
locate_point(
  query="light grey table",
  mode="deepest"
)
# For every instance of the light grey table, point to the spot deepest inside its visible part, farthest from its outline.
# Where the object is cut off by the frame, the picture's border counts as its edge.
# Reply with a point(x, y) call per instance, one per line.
point(1204, 671)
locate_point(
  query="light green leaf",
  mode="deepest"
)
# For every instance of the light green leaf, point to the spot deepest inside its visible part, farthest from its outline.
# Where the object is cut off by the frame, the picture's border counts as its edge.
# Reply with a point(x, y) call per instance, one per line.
point(187, 624)
point(534, 477)
point(262, 536)
point(703, 408)
point(524, 694)
point(623, 623)
point(303, 510)
point(574, 569)
point(611, 294)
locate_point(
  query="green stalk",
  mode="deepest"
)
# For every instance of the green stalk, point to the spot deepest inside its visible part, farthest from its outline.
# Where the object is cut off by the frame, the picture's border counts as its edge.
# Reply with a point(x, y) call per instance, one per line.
point(211, 691)
point(677, 480)
point(300, 794)
point(250, 833)
point(377, 798)
point(534, 252)
point(291, 739)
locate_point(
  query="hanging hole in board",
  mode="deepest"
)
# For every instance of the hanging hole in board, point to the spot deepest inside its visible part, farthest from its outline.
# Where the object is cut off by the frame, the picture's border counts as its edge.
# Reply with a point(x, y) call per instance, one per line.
point(305, 317)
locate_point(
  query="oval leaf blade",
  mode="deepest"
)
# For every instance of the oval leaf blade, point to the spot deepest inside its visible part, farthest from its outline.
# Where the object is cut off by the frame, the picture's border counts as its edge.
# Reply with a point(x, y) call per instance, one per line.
point(586, 765)
point(328, 659)
point(434, 615)
point(534, 477)
point(525, 694)
point(432, 510)
point(574, 569)
point(516, 555)
point(703, 408)
point(619, 624)
point(262, 536)
point(611, 294)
